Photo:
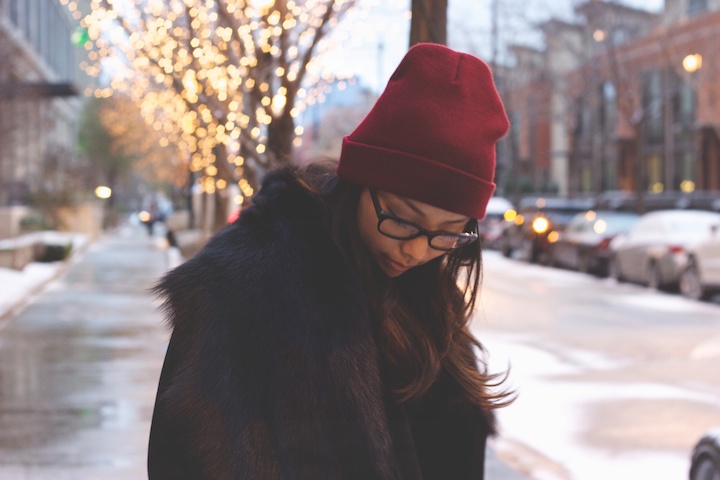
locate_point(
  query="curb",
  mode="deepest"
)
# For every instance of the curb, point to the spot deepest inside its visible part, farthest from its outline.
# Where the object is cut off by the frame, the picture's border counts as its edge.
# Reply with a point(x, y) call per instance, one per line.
point(17, 306)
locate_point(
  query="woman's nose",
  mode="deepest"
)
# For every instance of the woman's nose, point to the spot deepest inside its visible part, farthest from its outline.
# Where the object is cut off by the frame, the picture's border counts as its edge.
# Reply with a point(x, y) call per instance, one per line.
point(415, 250)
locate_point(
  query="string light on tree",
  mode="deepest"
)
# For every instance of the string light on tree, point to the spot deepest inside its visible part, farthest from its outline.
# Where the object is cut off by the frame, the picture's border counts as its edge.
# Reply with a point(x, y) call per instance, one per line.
point(220, 78)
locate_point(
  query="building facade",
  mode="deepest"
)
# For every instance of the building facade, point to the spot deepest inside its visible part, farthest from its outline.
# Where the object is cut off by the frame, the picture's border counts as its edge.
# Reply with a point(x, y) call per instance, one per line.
point(40, 83)
point(623, 99)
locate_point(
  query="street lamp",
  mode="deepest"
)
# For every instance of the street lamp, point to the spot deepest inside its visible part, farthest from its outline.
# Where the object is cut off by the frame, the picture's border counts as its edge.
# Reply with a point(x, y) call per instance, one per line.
point(692, 63)
point(103, 192)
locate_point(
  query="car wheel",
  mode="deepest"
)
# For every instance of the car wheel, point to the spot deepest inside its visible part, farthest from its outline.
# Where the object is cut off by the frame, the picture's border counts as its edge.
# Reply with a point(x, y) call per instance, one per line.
point(505, 247)
point(544, 258)
point(552, 259)
point(526, 250)
point(584, 262)
point(705, 462)
point(654, 280)
point(690, 283)
point(602, 269)
point(614, 269)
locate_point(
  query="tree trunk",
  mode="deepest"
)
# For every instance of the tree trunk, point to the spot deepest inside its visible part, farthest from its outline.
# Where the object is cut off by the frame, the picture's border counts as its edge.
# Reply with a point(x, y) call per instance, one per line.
point(281, 133)
point(429, 22)
point(220, 197)
point(220, 212)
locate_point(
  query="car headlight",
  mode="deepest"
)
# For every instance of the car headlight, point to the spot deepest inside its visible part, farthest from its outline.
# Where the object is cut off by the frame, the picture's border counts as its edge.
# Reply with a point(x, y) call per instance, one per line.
point(540, 225)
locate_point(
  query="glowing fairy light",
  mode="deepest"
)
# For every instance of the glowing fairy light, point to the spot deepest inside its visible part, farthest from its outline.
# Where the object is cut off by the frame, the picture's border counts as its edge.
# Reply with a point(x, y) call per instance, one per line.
point(207, 74)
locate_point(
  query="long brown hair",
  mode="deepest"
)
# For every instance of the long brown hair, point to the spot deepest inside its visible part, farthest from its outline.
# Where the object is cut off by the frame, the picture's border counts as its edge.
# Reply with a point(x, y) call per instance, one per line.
point(422, 316)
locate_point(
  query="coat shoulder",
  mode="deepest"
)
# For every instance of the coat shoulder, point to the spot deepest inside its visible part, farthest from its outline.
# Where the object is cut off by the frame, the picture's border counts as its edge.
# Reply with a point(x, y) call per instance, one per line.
point(280, 248)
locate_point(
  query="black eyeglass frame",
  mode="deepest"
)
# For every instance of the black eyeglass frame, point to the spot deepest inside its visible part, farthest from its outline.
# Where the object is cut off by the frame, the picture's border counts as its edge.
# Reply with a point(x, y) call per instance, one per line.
point(464, 239)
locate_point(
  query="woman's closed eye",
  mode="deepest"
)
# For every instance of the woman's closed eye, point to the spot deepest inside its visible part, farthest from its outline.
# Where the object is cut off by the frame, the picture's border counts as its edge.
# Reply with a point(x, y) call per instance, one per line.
point(402, 224)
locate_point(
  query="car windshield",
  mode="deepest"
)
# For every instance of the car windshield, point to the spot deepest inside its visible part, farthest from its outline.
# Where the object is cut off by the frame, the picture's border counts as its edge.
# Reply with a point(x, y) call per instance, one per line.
point(560, 217)
point(615, 224)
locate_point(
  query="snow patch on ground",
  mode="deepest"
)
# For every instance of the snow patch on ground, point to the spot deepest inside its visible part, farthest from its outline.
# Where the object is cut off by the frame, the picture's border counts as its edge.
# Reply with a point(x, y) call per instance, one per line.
point(549, 413)
point(650, 300)
point(706, 350)
point(17, 285)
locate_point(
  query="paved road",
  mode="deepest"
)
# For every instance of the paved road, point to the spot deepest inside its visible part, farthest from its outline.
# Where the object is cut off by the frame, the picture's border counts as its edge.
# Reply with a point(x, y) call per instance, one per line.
point(614, 380)
point(79, 369)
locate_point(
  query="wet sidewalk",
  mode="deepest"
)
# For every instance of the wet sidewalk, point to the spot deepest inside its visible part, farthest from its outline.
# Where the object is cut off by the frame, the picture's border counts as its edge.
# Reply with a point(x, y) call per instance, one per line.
point(79, 367)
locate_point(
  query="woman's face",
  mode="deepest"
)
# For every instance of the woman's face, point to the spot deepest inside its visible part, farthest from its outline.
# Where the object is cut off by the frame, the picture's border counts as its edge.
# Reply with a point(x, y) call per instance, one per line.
point(395, 257)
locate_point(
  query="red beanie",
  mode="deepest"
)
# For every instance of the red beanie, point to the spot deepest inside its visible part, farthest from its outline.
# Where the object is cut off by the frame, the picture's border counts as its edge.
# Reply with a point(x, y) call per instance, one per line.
point(431, 135)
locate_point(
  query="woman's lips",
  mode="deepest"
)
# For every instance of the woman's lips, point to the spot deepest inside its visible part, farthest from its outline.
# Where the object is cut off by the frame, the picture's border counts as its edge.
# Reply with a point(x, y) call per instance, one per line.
point(395, 267)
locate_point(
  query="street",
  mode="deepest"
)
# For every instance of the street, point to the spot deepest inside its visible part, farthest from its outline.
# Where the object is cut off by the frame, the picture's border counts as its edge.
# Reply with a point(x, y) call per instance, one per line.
point(613, 380)
point(79, 368)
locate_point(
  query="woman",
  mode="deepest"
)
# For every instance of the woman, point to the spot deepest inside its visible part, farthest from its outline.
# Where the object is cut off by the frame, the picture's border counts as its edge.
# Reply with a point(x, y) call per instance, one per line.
point(323, 334)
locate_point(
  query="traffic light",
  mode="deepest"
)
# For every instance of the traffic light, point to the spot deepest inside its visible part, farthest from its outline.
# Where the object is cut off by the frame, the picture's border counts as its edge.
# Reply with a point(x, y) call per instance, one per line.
point(80, 36)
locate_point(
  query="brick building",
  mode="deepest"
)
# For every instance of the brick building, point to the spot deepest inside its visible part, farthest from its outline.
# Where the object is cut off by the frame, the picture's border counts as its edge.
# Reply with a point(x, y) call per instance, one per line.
point(622, 99)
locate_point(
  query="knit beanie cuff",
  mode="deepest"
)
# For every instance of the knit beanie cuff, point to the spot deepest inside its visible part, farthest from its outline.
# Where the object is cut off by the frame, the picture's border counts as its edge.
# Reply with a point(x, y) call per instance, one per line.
point(424, 179)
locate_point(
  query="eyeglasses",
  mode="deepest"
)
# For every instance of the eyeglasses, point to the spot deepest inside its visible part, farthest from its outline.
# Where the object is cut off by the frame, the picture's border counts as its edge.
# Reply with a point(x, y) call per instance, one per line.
point(400, 229)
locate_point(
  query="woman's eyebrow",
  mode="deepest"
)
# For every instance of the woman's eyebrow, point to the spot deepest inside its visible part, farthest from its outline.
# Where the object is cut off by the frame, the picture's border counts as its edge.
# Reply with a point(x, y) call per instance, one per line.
point(415, 209)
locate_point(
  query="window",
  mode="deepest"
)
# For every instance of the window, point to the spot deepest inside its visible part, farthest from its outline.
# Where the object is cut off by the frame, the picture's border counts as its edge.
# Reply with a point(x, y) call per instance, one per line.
point(686, 182)
point(621, 35)
point(583, 118)
point(609, 179)
point(15, 12)
point(684, 104)
point(42, 31)
point(515, 129)
point(585, 179)
point(696, 6)
point(653, 106)
point(655, 173)
point(532, 115)
point(608, 94)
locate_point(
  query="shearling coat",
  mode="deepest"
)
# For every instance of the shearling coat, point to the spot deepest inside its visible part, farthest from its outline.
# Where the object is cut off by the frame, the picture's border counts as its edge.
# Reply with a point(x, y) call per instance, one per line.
point(272, 367)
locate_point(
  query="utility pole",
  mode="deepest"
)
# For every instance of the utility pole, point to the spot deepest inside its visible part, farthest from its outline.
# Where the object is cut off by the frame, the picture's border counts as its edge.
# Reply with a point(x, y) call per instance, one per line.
point(380, 61)
point(494, 34)
point(429, 22)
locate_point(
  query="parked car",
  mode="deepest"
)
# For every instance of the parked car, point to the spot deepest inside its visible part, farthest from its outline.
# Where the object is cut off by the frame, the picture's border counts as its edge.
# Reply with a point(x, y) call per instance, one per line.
point(585, 244)
point(537, 225)
point(491, 227)
point(657, 249)
point(700, 279)
point(705, 460)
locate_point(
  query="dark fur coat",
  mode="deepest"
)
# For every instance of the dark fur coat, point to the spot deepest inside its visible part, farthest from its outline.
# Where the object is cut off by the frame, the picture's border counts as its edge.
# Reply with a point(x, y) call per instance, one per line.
point(272, 367)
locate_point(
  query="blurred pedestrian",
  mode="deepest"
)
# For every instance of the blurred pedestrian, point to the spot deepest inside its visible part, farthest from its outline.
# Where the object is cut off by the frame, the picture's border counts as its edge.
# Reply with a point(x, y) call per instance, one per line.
point(323, 335)
point(153, 215)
